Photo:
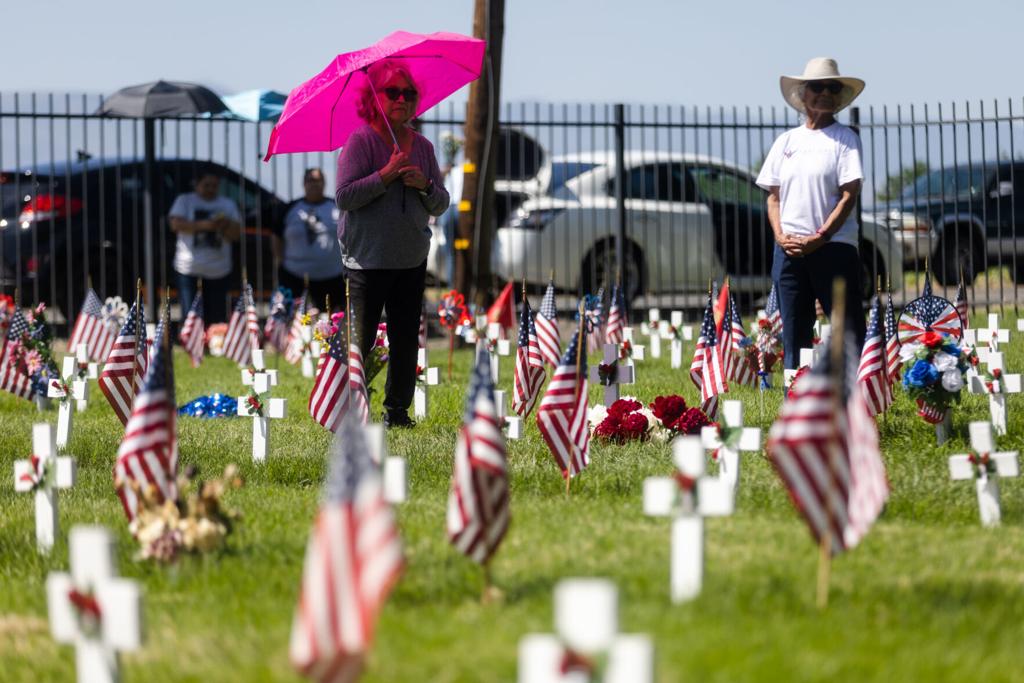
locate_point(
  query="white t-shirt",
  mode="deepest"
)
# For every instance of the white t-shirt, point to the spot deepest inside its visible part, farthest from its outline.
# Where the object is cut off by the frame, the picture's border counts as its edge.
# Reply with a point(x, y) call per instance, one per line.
point(808, 166)
point(204, 254)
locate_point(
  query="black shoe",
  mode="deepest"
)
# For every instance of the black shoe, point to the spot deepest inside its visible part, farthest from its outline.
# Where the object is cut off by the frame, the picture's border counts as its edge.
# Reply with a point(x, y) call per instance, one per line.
point(397, 418)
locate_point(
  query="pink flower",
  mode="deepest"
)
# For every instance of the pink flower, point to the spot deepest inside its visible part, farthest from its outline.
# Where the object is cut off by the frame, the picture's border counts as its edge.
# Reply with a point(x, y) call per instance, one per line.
point(33, 361)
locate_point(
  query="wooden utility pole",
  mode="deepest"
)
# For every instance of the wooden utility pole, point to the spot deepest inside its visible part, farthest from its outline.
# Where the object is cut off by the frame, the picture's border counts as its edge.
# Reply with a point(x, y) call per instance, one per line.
point(475, 231)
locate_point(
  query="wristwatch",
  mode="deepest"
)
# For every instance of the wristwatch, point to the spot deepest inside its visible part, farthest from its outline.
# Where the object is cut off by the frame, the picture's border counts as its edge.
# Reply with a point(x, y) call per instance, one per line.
point(428, 189)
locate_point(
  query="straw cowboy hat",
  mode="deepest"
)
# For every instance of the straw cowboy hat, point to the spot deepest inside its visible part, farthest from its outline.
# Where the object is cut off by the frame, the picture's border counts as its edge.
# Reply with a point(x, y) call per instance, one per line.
point(820, 69)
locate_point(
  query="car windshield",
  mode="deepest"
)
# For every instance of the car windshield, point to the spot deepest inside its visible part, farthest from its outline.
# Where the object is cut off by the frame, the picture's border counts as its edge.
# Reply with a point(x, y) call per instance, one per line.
point(564, 171)
point(948, 182)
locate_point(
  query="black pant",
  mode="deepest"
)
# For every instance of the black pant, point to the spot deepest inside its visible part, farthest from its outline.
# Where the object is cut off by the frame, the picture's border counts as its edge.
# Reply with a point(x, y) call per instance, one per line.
point(803, 279)
point(399, 293)
point(215, 297)
point(318, 289)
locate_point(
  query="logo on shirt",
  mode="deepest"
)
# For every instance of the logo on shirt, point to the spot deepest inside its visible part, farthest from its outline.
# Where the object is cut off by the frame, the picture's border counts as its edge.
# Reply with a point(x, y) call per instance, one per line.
point(789, 153)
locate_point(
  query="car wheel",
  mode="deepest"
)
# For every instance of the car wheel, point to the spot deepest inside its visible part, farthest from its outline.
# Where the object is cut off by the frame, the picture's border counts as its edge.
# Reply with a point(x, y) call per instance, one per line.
point(960, 248)
point(599, 270)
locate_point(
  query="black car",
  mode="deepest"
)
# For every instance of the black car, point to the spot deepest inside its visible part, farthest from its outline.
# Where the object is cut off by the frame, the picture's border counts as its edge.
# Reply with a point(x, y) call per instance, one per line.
point(66, 224)
point(977, 211)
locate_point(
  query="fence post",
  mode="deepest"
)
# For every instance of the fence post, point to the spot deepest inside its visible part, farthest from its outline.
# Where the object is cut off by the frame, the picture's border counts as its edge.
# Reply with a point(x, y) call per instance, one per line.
point(149, 182)
point(620, 204)
point(855, 127)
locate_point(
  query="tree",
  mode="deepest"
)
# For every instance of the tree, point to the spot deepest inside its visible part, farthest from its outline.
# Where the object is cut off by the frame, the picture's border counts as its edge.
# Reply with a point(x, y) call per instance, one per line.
point(473, 236)
point(895, 183)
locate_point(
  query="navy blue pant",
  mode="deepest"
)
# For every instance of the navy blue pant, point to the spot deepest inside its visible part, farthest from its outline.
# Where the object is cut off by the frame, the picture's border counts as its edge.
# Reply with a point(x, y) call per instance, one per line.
point(215, 292)
point(801, 280)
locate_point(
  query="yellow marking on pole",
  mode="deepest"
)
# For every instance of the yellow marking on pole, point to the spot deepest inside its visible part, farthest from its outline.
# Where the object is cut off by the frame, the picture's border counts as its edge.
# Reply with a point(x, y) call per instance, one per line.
point(462, 244)
point(469, 167)
point(465, 206)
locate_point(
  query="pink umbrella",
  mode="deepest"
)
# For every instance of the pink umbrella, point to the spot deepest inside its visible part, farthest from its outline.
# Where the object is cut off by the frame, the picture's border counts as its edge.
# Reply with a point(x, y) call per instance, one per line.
point(321, 113)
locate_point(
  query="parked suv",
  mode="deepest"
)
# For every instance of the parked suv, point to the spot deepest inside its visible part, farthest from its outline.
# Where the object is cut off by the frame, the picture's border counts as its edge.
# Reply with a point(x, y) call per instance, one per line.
point(86, 218)
point(689, 218)
point(977, 211)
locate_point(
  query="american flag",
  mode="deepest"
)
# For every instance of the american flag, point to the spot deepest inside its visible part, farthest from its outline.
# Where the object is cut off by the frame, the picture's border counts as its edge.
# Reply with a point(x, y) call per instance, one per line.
point(616, 317)
point(331, 397)
point(295, 344)
point(824, 446)
point(357, 383)
point(13, 326)
point(529, 375)
point(772, 312)
point(243, 333)
point(562, 414)
point(547, 328)
point(926, 313)
point(961, 305)
point(478, 510)
point(276, 328)
point(742, 365)
point(148, 455)
point(116, 381)
point(91, 329)
point(872, 374)
point(892, 342)
point(353, 558)
point(192, 331)
point(706, 369)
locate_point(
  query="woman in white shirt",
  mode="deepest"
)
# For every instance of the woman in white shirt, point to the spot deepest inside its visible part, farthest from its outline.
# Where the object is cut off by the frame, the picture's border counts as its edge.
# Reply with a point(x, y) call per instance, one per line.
point(205, 224)
point(813, 176)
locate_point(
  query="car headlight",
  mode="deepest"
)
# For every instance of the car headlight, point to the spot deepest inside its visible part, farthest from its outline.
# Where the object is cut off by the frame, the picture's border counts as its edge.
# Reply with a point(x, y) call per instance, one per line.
point(532, 220)
point(904, 221)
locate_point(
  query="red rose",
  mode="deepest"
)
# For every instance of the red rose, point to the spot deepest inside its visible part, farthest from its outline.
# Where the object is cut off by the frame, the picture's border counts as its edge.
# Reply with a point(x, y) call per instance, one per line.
point(690, 422)
point(623, 407)
point(634, 426)
point(932, 339)
point(668, 408)
point(608, 429)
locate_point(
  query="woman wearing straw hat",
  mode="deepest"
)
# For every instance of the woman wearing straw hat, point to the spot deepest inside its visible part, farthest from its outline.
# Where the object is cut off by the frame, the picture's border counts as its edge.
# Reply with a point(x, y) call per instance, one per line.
point(388, 185)
point(813, 176)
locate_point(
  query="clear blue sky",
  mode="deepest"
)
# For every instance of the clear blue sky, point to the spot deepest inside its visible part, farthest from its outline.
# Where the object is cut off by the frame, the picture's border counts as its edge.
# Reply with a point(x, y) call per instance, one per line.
point(637, 51)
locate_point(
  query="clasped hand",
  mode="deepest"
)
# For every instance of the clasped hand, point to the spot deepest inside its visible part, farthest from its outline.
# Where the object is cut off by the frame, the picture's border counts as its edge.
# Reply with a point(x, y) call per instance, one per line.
point(399, 167)
point(797, 246)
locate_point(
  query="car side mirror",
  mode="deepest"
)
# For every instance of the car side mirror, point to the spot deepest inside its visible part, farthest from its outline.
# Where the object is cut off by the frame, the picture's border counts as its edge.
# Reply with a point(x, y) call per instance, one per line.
point(1003, 189)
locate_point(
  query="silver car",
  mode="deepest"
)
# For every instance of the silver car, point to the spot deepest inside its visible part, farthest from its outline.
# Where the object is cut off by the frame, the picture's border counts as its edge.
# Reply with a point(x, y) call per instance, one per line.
point(689, 218)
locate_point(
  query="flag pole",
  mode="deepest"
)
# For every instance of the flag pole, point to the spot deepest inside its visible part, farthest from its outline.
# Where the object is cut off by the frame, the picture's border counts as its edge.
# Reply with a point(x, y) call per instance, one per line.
point(580, 350)
point(138, 332)
point(838, 359)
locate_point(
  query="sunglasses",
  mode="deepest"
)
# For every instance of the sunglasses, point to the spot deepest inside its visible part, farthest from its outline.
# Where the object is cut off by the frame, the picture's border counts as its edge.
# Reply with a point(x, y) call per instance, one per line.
point(818, 87)
point(408, 94)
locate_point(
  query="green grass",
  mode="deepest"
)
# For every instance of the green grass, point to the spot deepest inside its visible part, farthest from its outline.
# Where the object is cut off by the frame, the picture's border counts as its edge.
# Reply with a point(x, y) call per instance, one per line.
point(928, 596)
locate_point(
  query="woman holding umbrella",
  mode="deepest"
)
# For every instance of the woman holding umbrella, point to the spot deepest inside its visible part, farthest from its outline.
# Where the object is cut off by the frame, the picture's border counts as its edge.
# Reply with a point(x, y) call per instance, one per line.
point(388, 186)
point(813, 176)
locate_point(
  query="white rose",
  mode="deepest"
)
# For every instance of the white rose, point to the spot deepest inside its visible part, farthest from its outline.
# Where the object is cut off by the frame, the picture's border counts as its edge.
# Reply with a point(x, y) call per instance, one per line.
point(952, 380)
point(943, 361)
point(596, 415)
point(652, 422)
point(908, 351)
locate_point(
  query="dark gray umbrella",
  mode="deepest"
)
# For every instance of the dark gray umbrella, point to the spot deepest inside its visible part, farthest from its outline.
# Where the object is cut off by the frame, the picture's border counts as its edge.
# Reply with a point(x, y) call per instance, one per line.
point(162, 98)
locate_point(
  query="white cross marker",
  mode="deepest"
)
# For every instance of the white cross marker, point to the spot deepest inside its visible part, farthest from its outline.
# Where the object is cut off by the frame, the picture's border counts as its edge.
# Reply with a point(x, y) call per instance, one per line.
point(79, 392)
point(393, 471)
point(637, 349)
point(273, 408)
point(86, 370)
point(258, 368)
point(1001, 386)
point(586, 626)
point(653, 331)
point(749, 440)
point(621, 374)
point(44, 473)
point(986, 468)
point(513, 424)
point(94, 609)
point(992, 335)
point(428, 377)
point(496, 348)
point(667, 497)
point(683, 332)
point(808, 358)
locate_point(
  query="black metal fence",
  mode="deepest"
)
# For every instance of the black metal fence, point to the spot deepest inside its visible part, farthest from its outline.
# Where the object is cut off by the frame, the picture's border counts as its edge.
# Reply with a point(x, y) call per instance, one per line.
point(78, 190)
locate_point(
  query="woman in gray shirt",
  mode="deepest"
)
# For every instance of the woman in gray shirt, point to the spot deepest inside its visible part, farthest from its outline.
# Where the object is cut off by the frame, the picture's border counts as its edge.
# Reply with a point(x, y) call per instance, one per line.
point(386, 193)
